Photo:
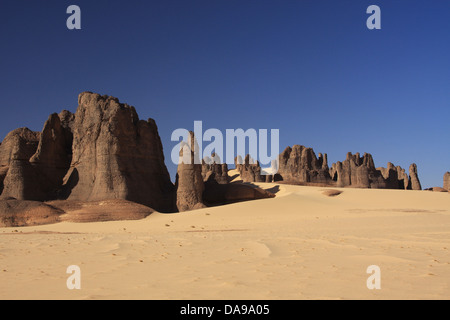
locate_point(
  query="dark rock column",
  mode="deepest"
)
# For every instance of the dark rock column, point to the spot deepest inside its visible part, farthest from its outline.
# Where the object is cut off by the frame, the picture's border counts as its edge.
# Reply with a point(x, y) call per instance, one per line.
point(415, 183)
point(189, 182)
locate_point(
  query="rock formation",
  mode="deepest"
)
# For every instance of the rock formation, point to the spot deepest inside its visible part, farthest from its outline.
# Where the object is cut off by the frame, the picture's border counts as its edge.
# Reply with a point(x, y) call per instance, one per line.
point(300, 165)
point(395, 177)
point(357, 172)
point(360, 172)
point(97, 211)
point(105, 155)
point(447, 181)
point(17, 176)
point(208, 184)
point(249, 170)
point(219, 194)
point(436, 189)
point(20, 213)
point(212, 168)
point(414, 177)
point(53, 156)
point(116, 156)
point(37, 161)
point(189, 181)
point(218, 189)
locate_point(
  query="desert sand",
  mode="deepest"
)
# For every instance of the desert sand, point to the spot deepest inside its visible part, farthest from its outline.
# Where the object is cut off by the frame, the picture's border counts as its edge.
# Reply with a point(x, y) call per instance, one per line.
point(306, 243)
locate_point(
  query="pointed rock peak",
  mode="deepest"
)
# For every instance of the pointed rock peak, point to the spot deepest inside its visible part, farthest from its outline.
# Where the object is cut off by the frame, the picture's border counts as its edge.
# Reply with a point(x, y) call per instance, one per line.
point(413, 175)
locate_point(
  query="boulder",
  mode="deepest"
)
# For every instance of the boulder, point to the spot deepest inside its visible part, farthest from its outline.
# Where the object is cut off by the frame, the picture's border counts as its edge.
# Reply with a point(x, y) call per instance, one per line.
point(359, 172)
point(98, 211)
point(33, 164)
point(219, 194)
point(352, 172)
point(212, 168)
point(436, 189)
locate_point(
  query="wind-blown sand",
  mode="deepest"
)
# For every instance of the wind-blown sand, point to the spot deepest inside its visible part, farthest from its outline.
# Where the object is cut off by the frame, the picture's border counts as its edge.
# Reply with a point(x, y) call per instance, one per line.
point(303, 244)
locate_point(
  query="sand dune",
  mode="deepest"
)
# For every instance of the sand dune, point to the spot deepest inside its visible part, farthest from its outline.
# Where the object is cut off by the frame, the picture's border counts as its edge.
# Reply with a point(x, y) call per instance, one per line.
point(303, 244)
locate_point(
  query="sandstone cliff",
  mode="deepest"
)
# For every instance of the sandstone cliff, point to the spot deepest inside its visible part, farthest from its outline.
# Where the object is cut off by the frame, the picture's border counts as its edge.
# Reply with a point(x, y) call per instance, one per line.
point(116, 156)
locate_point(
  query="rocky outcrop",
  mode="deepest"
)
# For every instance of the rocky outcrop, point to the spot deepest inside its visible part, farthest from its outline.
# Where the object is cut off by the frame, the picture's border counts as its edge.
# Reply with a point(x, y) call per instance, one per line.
point(219, 194)
point(102, 152)
point(249, 170)
point(395, 177)
point(116, 156)
point(17, 176)
point(358, 172)
point(436, 189)
point(212, 168)
point(52, 158)
point(414, 177)
point(20, 213)
point(300, 165)
point(218, 189)
point(402, 178)
point(189, 181)
point(98, 211)
point(447, 181)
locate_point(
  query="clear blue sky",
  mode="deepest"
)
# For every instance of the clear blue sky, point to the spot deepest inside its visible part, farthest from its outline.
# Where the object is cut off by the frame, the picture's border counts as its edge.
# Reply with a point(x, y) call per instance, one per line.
point(309, 68)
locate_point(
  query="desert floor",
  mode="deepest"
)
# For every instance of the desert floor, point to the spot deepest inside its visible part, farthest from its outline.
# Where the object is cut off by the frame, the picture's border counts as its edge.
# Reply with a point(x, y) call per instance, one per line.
point(300, 245)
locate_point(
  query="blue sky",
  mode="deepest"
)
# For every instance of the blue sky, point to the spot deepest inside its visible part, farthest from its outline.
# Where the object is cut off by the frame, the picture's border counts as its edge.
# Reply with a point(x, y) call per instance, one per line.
point(309, 68)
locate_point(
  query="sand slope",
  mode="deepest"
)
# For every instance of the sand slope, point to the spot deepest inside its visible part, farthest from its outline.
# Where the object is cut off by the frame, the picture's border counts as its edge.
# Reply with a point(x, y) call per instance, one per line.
point(302, 244)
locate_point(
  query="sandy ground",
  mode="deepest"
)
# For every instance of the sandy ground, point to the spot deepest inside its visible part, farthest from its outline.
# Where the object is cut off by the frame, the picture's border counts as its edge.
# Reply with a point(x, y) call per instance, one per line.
point(300, 245)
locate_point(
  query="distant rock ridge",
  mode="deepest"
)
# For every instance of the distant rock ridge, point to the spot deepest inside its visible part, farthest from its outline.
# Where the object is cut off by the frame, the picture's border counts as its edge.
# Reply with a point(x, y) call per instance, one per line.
point(300, 165)
point(213, 168)
point(17, 175)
